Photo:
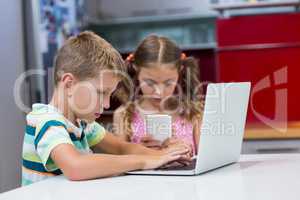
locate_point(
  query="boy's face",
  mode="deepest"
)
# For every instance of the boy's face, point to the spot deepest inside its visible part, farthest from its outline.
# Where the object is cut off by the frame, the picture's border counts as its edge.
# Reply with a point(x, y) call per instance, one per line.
point(90, 97)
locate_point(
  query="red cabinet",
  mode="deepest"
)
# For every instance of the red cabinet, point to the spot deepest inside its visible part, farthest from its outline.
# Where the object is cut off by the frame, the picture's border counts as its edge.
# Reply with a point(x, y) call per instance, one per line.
point(263, 49)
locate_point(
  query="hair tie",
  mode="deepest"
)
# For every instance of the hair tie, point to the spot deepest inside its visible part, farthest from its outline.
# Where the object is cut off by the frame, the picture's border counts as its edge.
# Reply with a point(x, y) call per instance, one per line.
point(182, 56)
point(130, 57)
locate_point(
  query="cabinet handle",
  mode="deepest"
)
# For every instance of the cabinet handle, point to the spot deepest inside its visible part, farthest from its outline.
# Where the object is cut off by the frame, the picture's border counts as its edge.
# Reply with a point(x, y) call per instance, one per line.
point(249, 47)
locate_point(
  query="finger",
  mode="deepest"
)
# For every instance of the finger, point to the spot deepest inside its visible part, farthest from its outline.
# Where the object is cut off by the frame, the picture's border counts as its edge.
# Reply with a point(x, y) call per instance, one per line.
point(186, 145)
point(176, 151)
point(166, 166)
point(180, 152)
point(171, 158)
point(184, 163)
point(189, 147)
point(173, 164)
point(176, 164)
point(173, 143)
point(149, 140)
point(172, 140)
point(177, 148)
point(145, 139)
point(153, 143)
point(186, 158)
point(166, 142)
point(151, 146)
point(154, 147)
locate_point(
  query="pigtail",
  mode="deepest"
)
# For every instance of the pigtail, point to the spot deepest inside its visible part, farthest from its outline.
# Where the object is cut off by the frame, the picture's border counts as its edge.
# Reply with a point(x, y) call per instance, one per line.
point(126, 93)
point(192, 90)
point(128, 83)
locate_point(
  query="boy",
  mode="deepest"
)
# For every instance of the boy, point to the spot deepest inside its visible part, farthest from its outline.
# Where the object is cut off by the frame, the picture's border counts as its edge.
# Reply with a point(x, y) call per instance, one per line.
point(59, 136)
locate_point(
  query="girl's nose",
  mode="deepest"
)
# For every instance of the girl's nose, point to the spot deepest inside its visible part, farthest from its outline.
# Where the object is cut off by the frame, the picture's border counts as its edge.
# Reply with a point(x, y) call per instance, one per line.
point(158, 90)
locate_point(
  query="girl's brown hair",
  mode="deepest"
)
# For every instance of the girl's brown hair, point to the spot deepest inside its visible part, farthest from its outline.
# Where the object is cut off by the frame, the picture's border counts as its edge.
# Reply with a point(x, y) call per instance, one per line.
point(161, 50)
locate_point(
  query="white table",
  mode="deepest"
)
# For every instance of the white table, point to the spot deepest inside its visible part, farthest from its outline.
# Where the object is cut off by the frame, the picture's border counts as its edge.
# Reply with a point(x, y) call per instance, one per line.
point(254, 177)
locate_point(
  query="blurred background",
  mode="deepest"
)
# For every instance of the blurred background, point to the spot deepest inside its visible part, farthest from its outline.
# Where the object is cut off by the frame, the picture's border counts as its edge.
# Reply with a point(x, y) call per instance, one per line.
point(233, 40)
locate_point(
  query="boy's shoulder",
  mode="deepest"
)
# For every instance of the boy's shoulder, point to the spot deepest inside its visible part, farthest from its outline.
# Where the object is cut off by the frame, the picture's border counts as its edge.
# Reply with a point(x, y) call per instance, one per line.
point(43, 113)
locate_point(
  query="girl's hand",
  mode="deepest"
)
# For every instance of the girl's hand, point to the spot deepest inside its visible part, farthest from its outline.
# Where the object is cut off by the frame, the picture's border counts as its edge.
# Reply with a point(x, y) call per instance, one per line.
point(149, 142)
point(170, 141)
point(163, 158)
point(184, 160)
point(174, 142)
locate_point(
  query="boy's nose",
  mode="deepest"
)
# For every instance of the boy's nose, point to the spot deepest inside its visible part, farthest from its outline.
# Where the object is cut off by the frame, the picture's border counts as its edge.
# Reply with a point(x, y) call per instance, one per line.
point(106, 103)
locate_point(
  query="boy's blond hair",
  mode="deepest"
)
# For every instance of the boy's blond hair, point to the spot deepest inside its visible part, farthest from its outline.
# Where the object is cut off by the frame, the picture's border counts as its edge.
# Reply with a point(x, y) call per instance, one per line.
point(84, 55)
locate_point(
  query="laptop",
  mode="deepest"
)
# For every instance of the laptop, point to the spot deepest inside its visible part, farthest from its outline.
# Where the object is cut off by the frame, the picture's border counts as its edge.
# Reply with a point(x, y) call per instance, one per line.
point(222, 130)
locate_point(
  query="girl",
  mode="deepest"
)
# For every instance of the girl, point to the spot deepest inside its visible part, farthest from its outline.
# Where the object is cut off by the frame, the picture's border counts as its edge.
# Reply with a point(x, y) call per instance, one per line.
point(165, 81)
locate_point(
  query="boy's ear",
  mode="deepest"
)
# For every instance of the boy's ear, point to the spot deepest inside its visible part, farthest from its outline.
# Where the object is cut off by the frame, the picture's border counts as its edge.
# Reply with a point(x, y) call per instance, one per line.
point(68, 79)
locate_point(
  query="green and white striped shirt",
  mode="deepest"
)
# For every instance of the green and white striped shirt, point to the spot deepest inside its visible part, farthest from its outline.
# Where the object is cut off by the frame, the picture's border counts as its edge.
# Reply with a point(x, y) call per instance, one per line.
point(46, 128)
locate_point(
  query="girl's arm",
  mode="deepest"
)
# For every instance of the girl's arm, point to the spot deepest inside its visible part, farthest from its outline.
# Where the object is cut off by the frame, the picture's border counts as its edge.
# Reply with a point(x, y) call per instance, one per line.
point(121, 130)
point(196, 132)
point(77, 166)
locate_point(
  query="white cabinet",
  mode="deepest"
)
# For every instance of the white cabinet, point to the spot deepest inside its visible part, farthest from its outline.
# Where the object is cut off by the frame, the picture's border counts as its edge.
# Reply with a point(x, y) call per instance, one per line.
point(131, 8)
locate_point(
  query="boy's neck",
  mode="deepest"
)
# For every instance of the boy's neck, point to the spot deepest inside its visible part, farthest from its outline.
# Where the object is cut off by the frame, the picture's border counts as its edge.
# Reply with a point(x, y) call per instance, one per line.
point(59, 101)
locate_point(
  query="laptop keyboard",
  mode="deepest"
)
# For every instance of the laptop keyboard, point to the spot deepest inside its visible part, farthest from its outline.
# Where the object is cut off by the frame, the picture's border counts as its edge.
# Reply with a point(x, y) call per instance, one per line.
point(187, 167)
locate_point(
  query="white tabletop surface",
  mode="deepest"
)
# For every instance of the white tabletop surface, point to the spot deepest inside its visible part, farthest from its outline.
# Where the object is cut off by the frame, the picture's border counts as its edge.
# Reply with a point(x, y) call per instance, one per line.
point(274, 177)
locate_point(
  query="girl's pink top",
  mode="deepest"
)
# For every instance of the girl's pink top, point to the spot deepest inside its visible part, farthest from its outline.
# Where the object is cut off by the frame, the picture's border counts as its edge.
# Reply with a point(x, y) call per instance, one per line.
point(182, 130)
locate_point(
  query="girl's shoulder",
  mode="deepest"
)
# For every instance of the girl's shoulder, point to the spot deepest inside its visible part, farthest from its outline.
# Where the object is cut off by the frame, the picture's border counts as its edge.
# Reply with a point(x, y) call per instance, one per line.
point(182, 120)
point(123, 110)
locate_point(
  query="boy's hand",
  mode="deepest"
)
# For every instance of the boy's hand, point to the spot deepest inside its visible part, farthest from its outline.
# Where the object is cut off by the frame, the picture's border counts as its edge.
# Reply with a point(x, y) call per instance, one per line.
point(156, 161)
point(171, 152)
point(149, 142)
point(181, 162)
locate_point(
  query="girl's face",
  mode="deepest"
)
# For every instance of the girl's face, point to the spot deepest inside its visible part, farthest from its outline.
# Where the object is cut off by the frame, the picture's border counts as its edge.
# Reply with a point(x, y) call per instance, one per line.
point(158, 82)
point(89, 98)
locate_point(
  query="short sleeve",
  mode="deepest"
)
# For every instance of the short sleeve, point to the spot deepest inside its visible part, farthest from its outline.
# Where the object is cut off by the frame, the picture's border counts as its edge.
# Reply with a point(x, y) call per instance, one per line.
point(94, 133)
point(48, 136)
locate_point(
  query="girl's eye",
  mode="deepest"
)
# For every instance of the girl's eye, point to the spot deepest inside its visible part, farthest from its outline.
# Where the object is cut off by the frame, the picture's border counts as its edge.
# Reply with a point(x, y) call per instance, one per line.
point(149, 82)
point(169, 83)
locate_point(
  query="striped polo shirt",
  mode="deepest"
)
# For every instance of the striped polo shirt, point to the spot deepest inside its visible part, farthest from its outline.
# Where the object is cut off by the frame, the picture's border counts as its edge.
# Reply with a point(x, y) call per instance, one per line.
point(46, 128)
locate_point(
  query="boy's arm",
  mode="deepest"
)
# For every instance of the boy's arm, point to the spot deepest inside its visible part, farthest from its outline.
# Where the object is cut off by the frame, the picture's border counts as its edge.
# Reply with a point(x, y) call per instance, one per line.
point(77, 166)
point(114, 145)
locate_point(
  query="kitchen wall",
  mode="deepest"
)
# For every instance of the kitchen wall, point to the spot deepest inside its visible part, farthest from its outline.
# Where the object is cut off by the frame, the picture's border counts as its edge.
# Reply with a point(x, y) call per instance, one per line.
point(11, 118)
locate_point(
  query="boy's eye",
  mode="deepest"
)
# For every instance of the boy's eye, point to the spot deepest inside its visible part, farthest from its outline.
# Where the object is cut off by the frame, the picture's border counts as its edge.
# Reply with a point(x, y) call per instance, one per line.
point(102, 93)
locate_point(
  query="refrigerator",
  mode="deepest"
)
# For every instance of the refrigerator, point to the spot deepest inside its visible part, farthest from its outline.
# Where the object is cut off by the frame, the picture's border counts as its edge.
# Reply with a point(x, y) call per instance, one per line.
point(48, 23)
